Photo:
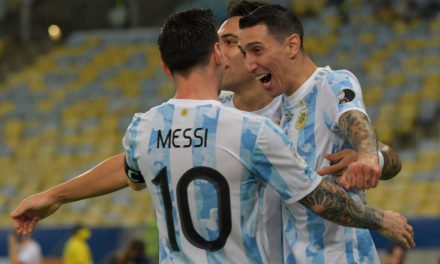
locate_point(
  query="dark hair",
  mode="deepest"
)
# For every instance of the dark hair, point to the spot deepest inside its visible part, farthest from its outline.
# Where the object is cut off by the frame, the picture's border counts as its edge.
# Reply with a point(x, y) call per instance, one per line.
point(243, 8)
point(137, 245)
point(280, 22)
point(187, 39)
point(77, 227)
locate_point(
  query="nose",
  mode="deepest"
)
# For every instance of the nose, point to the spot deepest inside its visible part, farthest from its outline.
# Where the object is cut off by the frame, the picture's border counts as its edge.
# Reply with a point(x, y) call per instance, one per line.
point(250, 64)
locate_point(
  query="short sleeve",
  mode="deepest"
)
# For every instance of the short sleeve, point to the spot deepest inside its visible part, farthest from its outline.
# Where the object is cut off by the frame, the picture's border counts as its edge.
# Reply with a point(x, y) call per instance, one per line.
point(347, 92)
point(129, 143)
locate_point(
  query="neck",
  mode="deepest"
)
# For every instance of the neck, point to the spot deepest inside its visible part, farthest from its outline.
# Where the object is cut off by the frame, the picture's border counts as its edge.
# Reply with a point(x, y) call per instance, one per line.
point(251, 97)
point(200, 84)
point(301, 70)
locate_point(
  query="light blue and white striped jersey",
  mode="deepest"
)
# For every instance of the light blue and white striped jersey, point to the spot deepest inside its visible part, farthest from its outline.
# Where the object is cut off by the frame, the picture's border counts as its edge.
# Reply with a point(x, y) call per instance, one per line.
point(310, 118)
point(270, 226)
point(204, 165)
point(271, 111)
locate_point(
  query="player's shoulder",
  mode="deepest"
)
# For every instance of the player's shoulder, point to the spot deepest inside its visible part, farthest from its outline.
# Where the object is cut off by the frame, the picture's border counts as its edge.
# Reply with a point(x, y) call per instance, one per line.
point(150, 113)
point(339, 76)
point(338, 81)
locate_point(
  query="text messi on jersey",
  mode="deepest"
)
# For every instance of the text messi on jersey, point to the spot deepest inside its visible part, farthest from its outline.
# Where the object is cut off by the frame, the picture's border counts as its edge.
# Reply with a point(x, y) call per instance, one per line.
point(183, 138)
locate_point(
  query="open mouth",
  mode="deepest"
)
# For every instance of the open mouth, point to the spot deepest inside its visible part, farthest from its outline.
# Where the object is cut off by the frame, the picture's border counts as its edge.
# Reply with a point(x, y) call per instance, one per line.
point(264, 78)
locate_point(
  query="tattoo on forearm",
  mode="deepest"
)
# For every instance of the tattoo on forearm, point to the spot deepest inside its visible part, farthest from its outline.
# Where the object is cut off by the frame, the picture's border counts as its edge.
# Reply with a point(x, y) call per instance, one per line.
point(333, 203)
point(392, 164)
point(360, 132)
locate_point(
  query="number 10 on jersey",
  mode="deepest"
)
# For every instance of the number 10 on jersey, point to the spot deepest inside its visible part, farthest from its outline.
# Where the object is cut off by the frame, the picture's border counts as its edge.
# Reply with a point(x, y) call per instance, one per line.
point(224, 206)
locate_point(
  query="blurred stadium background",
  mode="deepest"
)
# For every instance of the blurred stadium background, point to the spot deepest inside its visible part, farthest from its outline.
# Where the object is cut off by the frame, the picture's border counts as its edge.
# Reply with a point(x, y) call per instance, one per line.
point(73, 72)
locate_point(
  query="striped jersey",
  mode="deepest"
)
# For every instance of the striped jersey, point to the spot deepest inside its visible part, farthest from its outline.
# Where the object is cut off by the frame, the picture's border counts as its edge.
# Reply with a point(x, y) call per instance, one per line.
point(310, 119)
point(204, 165)
point(271, 111)
point(270, 226)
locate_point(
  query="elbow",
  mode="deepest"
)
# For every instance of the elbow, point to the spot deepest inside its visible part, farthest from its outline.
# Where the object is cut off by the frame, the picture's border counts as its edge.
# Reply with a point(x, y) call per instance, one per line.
point(137, 186)
point(392, 172)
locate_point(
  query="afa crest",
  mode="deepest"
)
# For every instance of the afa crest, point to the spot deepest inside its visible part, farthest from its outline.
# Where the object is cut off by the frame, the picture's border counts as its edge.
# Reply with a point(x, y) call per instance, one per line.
point(302, 118)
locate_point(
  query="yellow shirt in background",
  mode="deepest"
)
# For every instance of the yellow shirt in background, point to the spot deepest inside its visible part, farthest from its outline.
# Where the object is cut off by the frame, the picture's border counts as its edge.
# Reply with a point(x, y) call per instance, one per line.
point(77, 251)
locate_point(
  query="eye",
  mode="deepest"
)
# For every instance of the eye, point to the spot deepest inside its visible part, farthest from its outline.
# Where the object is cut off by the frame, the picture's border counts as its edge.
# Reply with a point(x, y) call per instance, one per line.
point(230, 43)
point(256, 50)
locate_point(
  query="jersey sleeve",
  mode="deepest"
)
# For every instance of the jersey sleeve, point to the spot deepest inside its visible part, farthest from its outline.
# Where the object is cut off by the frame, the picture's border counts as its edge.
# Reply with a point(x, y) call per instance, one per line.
point(130, 146)
point(347, 92)
point(280, 167)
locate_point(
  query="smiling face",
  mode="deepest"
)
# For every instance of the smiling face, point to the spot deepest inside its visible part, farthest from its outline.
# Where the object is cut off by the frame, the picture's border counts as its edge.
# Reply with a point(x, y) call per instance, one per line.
point(235, 74)
point(266, 59)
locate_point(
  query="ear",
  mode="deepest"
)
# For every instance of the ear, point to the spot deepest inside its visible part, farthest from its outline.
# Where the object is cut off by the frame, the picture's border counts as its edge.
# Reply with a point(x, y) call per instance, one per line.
point(167, 70)
point(217, 54)
point(293, 44)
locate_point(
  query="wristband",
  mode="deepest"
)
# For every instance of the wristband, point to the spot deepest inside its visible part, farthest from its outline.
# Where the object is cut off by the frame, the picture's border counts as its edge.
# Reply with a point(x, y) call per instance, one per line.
point(381, 159)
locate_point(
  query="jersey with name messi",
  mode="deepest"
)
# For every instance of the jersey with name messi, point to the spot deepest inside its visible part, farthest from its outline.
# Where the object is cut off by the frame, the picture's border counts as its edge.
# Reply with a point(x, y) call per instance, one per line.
point(310, 118)
point(204, 165)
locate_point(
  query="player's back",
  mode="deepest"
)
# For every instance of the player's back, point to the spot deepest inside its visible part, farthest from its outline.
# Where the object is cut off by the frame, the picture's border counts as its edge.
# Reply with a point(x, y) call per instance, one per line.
point(196, 158)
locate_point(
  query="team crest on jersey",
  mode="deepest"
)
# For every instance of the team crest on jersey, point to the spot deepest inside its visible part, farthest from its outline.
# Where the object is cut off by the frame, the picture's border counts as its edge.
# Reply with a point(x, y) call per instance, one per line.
point(346, 96)
point(302, 117)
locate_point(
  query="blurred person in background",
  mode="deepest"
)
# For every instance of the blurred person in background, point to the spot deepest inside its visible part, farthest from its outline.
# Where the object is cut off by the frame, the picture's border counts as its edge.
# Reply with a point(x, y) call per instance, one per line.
point(134, 253)
point(395, 254)
point(77, 250)
point(23, 249)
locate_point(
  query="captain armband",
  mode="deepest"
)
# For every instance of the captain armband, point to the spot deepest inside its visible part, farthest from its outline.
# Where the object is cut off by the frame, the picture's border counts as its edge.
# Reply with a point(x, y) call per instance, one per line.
point(134, 175)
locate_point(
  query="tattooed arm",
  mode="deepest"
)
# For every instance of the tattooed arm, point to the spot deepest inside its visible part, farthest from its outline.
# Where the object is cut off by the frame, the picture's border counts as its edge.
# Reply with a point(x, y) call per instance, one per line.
point(333, 203)
point(359, 131)
point(365, 171)
point(392, 164)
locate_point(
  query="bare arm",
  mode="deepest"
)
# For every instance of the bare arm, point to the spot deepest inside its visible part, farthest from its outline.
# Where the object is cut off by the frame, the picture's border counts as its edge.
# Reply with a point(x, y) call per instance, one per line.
point(365, 171)
point(13, 249)
point(333, 203)
point(392, 164)
point(106, 177)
